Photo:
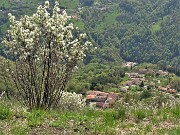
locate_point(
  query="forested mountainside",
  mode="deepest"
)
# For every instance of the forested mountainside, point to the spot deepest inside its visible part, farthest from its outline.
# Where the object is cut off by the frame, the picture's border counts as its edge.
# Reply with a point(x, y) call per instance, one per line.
point(133, 30)
point(142, 31)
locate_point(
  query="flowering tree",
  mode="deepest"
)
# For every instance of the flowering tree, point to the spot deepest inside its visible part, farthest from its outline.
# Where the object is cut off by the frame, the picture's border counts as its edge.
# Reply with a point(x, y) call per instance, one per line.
point(46, 49)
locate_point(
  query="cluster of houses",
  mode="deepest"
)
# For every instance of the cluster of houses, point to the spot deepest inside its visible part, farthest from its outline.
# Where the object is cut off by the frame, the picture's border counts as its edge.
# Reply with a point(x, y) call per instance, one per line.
point(101, 99)
point(167, 89)
point(137, 78)
point(105, 100)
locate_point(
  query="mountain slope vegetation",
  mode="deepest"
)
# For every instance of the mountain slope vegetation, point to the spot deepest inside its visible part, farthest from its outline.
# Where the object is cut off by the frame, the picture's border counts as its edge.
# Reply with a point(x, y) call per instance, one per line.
point(143, 31)
point(140, 31)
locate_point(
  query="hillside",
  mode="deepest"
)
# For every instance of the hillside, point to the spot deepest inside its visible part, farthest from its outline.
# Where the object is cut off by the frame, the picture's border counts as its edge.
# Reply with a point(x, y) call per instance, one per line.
point(136, 31)
point(141, 31)
point(122, 119)
point(46, 87)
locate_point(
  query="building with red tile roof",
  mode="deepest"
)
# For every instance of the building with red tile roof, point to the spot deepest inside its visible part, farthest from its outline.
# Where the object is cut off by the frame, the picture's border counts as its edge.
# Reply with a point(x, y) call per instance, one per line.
point(101, 99)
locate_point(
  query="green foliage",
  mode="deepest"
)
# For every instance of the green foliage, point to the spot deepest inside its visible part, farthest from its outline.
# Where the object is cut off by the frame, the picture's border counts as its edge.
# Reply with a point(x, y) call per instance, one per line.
point(69, 4)
point(156, 27)
point(174, 131)
point(140, 31)
point(109, 118)
point(36, 117)
point(79, 24)
point(176, 111)
point(5, 112)
point(19, 130)
point(96, 76)
point(134, 30)
point(175, 83)
point(122, 117)
point(145, 94)
point(87, 2)
point(120, 114)
point(5, 4)
point(111, 90)
point(140, 114)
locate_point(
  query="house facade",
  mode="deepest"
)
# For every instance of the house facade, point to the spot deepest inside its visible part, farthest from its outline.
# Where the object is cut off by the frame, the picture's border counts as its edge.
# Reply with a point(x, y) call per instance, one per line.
point(101, 99)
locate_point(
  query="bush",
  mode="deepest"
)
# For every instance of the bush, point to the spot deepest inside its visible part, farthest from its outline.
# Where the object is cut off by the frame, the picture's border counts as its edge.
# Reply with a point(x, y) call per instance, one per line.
point(174, 131)
point(18, 130)
point(120, 114)
point(46, 50)
point(145, 94)
point(176, 112)
point(36, 117)
point(71, 101)
point(5, 112)
point(109, 119)
point(140, 114)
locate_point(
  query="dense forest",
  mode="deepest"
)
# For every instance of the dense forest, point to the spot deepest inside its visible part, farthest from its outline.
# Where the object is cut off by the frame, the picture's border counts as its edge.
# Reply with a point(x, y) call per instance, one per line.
point(139, 31)
point(142, 31)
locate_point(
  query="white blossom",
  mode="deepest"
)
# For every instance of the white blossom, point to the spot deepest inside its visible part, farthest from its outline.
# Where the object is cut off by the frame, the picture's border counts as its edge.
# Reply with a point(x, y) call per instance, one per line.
point(43, 37)
point(71, 101)
point(47, 4)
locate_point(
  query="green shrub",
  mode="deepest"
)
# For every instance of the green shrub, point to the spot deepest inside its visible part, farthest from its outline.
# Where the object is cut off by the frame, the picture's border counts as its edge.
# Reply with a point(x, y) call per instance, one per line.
point(59, 123)
point(174, 131)
point(89, 112)
point(5, 112)
point(64, 117)
point(109, 118)
point(176, 112)
point(18, 130)
point(1, 133)
point(140, 114)
point(110, 131)
point(145, 94)
point(36, 117)
point(120, 114)
point(147, 129)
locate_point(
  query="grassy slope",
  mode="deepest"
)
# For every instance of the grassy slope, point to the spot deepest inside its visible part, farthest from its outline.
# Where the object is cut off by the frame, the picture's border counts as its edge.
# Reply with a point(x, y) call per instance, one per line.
point(108, 21)
point(69, 4)
point(14, 119)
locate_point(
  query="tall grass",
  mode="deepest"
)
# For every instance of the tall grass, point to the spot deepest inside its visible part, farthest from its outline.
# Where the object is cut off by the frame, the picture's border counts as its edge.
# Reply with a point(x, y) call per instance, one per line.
point(174, 131)
point(5, 112)
point(36, 117)
point(176, 111)
point(120, 114)
point(140, 114)
point(19, 130)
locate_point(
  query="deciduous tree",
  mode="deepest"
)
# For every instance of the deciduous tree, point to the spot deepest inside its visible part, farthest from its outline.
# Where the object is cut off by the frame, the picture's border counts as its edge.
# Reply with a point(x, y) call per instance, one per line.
point(46, 50)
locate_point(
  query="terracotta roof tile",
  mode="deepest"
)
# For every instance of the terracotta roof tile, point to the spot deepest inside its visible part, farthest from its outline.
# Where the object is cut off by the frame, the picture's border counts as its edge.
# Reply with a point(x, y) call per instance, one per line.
point(93, 92)
point(90, 97)
point(172, 91)
point(102, 99)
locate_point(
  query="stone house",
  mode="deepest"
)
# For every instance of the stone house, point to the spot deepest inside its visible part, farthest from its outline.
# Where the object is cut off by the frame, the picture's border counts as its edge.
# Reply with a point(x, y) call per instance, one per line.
point(163, 73)
point(167, 89)
point(101, 99)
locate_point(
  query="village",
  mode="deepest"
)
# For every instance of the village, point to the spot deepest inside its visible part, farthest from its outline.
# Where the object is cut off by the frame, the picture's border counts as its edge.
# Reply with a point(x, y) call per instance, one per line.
point(143, 79)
